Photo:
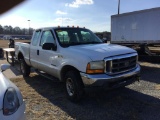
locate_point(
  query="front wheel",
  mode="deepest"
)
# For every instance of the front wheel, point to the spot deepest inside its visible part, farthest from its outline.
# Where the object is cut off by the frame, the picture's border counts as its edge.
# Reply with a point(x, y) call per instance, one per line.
point(24, 68)
point(74, 86)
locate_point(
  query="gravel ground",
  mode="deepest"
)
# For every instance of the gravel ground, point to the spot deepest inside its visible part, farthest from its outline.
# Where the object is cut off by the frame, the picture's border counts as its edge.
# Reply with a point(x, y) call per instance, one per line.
point(46, 100)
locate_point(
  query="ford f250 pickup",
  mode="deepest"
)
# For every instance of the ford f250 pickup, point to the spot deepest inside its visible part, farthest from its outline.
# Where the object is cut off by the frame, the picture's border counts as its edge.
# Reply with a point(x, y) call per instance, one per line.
point(79, 58)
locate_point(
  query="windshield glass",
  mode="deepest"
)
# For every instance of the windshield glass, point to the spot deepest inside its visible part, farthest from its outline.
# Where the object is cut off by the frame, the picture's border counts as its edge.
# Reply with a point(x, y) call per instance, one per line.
point(76, 36)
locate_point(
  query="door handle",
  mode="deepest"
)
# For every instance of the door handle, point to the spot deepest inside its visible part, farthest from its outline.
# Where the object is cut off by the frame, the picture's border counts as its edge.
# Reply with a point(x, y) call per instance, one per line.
point(37, 52)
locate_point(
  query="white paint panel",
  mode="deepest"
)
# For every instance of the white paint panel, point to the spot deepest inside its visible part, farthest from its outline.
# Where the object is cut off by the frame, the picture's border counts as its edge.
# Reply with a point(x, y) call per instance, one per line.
point(140, 26)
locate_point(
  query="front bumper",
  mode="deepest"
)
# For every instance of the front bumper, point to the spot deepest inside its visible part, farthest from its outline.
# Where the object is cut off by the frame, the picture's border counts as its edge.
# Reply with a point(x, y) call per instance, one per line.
point(18, 115)
point(111, 81)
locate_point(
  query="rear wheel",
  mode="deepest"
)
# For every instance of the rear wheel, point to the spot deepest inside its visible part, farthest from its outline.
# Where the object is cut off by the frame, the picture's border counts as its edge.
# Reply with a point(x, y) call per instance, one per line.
point(25, 69)
point(74, 86)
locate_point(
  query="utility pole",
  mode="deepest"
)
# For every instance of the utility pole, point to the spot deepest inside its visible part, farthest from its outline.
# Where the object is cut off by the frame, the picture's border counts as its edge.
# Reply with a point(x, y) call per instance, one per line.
point(118, 6)
point(29, 27)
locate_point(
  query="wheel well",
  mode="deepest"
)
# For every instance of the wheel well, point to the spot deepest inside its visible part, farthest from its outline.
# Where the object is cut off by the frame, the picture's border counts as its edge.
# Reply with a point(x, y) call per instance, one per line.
point(20, 56)
point(65, 69)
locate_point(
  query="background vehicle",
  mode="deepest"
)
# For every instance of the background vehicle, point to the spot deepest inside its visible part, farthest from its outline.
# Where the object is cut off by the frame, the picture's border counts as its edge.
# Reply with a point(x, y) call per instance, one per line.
point(12, 106)
point(79, 58)
point(138, 29)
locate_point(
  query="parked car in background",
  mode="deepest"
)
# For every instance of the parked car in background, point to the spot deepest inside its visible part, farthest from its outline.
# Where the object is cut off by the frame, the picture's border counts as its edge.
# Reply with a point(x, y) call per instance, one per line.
point(12, 106)
point(16, 38)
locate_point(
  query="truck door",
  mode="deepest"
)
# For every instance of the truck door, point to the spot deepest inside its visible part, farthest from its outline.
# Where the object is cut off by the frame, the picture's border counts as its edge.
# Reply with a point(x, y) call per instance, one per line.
point(46, 57)
point(34, 48)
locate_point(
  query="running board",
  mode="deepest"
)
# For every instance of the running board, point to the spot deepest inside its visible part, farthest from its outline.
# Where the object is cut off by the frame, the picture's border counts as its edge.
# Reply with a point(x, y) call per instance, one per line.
point(47, 75)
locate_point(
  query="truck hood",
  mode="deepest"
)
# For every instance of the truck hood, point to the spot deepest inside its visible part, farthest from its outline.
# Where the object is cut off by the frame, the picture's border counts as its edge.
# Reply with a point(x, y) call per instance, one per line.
point(100, 51)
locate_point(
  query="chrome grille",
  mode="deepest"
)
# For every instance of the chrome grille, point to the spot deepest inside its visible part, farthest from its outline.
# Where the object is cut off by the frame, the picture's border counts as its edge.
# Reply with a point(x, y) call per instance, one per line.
point(115, 65)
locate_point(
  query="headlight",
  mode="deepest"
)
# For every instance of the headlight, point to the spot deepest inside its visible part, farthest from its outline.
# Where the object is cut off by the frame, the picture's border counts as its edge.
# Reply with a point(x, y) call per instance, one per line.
point(95, 67)
point(10, 102)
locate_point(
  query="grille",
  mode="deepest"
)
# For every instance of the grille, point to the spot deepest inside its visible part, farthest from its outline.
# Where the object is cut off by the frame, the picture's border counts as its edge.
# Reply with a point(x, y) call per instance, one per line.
point(118, 65)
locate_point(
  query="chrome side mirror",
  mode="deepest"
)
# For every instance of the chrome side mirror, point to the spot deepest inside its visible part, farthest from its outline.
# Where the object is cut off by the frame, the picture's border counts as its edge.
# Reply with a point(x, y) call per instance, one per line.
point(4, 67)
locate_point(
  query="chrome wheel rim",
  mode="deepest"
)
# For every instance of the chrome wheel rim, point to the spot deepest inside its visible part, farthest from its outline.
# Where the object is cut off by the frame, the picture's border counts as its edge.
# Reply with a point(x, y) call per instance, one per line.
point(70, 87)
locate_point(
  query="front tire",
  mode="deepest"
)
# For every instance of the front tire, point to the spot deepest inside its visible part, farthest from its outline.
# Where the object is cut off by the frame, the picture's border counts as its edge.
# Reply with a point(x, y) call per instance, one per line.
point(74, 86)
point(24, 68)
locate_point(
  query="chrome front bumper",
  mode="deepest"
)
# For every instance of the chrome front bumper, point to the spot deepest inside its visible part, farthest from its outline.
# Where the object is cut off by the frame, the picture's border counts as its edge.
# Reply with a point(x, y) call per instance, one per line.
point(111, 80)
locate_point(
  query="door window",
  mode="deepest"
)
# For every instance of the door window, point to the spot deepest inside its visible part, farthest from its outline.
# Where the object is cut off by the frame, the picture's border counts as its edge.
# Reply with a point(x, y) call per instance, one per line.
point(47, 37)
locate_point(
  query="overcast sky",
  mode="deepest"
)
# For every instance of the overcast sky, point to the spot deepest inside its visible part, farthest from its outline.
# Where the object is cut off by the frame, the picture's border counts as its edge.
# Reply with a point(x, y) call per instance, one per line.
point(92, 14)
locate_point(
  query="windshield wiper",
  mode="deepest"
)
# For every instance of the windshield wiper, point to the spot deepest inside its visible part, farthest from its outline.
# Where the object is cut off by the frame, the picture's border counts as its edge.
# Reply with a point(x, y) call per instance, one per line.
point(94, 42)
point(82, 43)
point(75, 43)
point(65, 45)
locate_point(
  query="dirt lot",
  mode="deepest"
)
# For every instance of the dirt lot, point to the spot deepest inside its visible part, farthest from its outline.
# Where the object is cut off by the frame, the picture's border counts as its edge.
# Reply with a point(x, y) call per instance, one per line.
point(46, 100)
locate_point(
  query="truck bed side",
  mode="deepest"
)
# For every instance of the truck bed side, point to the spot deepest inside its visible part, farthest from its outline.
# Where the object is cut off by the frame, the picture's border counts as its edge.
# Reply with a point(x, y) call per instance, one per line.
point(22, 50)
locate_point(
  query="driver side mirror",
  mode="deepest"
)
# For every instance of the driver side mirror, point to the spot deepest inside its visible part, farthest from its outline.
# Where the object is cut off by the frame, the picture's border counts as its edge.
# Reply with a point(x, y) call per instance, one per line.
point(49, 46)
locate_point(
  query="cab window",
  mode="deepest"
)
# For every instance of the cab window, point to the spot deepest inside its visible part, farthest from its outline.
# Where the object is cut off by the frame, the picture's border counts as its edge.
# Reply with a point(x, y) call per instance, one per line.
point(36, 38)
point(47, 37)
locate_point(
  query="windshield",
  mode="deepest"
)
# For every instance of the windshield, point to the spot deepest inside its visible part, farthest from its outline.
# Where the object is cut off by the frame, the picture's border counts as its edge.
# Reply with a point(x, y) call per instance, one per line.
point(76, 36)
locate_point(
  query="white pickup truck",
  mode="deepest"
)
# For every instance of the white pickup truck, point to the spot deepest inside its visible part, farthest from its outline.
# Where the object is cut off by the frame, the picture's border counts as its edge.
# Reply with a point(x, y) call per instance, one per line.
point(79, 58)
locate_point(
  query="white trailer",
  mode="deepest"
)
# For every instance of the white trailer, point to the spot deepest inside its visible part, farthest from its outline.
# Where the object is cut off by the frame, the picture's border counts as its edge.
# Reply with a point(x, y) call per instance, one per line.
point(139, 27)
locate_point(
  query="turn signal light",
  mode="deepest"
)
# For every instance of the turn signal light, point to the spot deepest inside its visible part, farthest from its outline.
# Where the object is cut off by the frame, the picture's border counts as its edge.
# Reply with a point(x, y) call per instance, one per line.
point(93, 71)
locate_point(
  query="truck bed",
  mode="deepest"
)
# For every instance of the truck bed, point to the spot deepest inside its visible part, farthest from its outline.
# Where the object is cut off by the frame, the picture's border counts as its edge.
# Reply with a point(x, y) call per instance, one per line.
point(24, 42)
point(23, 47)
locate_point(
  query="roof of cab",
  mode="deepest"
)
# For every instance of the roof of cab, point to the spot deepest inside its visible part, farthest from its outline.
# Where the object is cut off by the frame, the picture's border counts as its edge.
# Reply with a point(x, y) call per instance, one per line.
point(46, 28)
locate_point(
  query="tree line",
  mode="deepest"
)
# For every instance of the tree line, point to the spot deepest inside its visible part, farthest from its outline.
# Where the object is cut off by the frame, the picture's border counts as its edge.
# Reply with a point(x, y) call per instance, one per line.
point(9, 30)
